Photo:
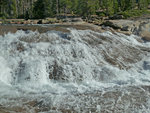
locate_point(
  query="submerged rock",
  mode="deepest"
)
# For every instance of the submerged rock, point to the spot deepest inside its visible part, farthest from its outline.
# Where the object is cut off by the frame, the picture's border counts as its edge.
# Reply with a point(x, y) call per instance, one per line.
point(57, 72)
point(74, 71)
point(70, 57)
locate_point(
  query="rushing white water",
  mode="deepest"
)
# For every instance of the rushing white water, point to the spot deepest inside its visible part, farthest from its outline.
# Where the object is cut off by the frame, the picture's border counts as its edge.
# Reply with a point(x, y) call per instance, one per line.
point(56, 67)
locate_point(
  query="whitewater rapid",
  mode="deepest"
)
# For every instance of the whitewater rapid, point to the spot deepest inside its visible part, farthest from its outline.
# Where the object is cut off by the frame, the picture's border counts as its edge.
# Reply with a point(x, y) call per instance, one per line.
point(54, 66)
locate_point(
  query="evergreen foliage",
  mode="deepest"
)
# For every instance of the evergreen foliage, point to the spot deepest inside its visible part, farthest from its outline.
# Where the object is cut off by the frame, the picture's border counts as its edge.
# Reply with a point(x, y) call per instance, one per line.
point(85, 8)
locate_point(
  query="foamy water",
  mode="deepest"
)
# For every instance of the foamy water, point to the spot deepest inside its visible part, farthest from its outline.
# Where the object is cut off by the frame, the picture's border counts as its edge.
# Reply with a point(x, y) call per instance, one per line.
point(73, 71)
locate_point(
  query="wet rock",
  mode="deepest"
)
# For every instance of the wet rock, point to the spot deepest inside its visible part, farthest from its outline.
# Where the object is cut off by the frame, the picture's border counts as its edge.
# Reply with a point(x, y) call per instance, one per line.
point(117, 17)
point(104, 75)
point(125, 28)
point(146, 65)
point(111, 24)
point(128, 27)
point(20, 47)
point(146, 36)
point(34, 21)
point(125, 32)
point(57, 72)
point(39, 22)
point(77, 20)
point(144, 30)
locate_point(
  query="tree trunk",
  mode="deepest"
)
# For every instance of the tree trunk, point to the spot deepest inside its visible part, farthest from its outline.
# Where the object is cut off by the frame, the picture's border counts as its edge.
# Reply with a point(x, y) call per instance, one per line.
point(57, 7)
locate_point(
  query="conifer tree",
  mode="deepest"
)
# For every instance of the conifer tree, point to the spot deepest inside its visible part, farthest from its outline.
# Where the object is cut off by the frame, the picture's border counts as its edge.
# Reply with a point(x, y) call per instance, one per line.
point(53, 8)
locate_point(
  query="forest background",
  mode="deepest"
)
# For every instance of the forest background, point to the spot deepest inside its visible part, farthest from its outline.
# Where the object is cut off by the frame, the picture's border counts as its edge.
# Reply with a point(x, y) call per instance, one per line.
point(39, 9)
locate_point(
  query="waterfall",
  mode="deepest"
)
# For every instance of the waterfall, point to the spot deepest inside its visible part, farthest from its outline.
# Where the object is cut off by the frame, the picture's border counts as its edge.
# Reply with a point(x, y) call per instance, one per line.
point(58, 64)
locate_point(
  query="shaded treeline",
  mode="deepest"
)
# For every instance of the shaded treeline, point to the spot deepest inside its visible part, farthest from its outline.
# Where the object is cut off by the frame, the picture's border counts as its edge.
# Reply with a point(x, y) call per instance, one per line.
point(53, 8)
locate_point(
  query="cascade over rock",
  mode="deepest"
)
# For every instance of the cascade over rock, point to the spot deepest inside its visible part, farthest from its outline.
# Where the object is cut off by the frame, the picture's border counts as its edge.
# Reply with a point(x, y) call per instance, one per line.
point(79, 70)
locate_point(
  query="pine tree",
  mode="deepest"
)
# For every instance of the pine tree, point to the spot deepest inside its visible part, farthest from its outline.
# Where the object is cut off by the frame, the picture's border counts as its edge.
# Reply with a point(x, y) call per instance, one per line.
point(3, 5)
point(52, 8)
point(12, 9)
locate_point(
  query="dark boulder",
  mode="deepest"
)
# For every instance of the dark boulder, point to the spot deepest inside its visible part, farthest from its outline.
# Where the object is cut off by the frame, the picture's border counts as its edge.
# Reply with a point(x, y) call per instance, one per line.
point(111, 24)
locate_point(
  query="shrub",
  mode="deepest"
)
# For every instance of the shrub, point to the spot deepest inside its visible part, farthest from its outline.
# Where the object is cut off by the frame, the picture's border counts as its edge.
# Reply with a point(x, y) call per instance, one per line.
point(133, 13)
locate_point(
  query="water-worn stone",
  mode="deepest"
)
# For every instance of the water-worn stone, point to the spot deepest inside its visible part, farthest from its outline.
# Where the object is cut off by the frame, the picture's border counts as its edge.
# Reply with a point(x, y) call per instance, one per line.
point(111, 24)
point(117, 17)
point(137, 27)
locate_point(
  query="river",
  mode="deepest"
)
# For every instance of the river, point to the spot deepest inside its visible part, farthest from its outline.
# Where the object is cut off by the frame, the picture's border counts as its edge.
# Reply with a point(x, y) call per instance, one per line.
point(77, 71)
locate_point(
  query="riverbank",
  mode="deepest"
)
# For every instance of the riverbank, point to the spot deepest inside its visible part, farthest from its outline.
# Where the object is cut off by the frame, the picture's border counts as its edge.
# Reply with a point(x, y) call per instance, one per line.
point(138, 25)
point(12, 28)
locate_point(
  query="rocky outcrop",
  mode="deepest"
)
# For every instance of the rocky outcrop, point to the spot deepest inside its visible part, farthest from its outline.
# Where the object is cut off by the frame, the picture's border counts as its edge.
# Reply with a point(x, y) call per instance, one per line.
point(144, 30)
point(115, 17)
point(136, 27)
point(43, 21)
point(111, 24)
point(140, 27)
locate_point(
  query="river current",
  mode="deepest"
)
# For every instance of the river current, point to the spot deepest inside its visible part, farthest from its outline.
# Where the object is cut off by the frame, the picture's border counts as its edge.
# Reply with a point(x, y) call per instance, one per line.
point(79, 71)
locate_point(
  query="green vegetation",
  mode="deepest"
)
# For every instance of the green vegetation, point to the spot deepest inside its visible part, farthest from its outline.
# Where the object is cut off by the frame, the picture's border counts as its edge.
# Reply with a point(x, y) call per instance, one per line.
point(85, 8)
point(133, 13)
